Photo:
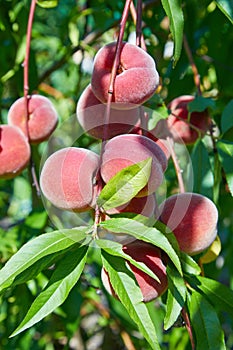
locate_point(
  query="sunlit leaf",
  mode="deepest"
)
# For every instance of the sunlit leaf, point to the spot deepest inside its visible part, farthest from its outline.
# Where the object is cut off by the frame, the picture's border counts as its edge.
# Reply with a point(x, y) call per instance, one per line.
point(144, 233)
point(129, 293)
point(206, 325)
point(176, 296)
point(64, 278)
point(125, 185)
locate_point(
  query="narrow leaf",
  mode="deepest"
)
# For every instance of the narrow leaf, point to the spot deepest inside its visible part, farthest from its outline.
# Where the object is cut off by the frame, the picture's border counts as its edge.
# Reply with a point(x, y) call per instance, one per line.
point(173, 9)
point(217, 293)
point(129, 293)
point(115, 249)
point(47, 3)
point(226, 6)
point(176, 296)
point(227, 117)
point(203, 179)
point(225, 151)
point(206, 325)
point(144, 233)
point(125, 185)
point(55, 293)
point(189, 265)
point(38, 248)
point(200, 103)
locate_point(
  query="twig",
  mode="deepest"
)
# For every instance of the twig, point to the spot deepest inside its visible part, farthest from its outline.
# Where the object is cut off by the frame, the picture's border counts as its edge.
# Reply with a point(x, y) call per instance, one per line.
point(196, 75)
point(188, 327)
point(176, 165)
point(135, 20)
point(115, 66)
point(26, 87)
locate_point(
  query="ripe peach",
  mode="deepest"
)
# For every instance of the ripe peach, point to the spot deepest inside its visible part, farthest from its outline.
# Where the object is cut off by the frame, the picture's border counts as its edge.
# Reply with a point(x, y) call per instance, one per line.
point(14, 151)
point(136, 80)
point(184, 127)
point(159, 139)
point(42, 120)
point(138, 205)
point(151, 257)
point(124, 150)
point(193, 219)
point(67, 178)
point(91, 116)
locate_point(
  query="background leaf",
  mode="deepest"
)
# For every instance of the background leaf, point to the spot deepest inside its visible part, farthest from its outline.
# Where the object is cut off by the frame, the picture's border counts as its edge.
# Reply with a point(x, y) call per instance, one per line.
point(225, 151)
point(226, 6)
point(174, 12)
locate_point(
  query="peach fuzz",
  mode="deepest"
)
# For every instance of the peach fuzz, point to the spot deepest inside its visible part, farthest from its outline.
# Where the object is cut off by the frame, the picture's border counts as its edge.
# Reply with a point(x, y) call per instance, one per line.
point(42, 119)
point(193, 219)
point(185, 128)
point(14, 151)
point(124, 150)
point(67, 178)
point(151, 257)
point(136, 79)
point(91, 116)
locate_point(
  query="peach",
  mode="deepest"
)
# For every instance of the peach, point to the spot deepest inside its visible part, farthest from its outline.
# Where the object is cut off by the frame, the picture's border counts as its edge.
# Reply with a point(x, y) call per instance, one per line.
point(159, 139)
point(138, 205)
point(151, 257)
point(42, 120)
point(185, 128)
point(124, 150)
point(193, 219)
point(136, 79)
point(14, 151)
point(67, 178)
point(91, 116)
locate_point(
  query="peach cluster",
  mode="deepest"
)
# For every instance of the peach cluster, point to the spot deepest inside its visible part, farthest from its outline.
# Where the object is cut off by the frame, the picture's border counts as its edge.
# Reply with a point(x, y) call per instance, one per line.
point(21, 130)
point(72, 177)
point(136, 81)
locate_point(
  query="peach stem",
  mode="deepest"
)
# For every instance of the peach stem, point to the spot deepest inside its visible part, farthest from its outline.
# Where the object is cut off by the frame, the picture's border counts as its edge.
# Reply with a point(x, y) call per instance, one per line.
point(26, 85)
point(115, 66)
point(135, 17)
point(176, 165)
point(196, 75)
point(26, 59)
point(188, 327)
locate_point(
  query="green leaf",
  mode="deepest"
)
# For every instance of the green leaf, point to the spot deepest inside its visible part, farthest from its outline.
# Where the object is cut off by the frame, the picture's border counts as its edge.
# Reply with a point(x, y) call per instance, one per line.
point(129, 293)
point(200, 103)
point(125, 185)
point(226, 6)
point(217, 293)
point(48, 4)
point(203, 179)
point(144, 233)
point(176, 296)
point(173, 9)
point(64, 278)
point(189, 265)
point(225, 151)
point(206, 325)
point(115, 249)
point(38, 248)
point(227, 117)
